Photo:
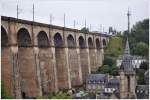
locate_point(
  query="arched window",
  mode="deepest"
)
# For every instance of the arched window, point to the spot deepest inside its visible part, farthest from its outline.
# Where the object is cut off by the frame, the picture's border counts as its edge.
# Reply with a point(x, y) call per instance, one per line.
point(90, 42)
point(104, 42)
point(4, 37)
point(58, 40)
point(81, 42)
point(70, 41)
point(23, 38)
point(42, 40)
point(98, 43)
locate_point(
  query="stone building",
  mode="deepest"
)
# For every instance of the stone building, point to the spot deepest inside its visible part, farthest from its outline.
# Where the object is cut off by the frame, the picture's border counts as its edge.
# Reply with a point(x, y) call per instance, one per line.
point(38, 58)
point(127, 75)
point(95, 83)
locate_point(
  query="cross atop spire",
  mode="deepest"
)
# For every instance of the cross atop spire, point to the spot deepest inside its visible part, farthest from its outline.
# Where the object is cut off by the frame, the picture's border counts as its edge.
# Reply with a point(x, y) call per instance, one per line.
point(127, 48)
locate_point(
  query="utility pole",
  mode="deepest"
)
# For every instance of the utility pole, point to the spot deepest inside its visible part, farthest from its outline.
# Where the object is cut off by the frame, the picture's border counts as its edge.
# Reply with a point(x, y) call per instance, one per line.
point(50, 19)
point(90, 27)
point(128, 15)
point(85, 23)
point(17, 11)
point(74, 24)
point(33, 12)
point(100, 28)
point(64, 19)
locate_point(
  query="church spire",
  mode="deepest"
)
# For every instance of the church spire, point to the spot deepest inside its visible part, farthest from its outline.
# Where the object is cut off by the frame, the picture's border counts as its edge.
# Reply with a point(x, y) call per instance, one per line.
point(127, 48)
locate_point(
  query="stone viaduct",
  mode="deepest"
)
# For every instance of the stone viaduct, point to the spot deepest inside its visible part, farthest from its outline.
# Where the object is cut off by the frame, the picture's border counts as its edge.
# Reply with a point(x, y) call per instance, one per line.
point(38, 58)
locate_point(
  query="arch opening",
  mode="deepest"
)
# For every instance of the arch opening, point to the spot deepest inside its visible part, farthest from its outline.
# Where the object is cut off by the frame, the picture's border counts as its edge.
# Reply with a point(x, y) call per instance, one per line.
point(104, 42)
point(98, 43)
point(90, 42)
point(81, 42)
point(23, 38)
point(58, 40)
point(4, 37)
point(43, 41)
point(70, 41)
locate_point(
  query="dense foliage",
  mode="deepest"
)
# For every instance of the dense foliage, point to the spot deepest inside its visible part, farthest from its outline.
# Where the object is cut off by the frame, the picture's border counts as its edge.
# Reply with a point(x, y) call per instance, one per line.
point(84, 30)
point(139, 38)
point(113, 50)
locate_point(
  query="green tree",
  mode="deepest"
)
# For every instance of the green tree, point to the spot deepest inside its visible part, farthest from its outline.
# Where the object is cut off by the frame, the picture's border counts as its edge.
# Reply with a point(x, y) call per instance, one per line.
point(144, 65)
point(140, 76)
point(141, 49)
point(138, 38)
point(108, 60)
point(84, 30)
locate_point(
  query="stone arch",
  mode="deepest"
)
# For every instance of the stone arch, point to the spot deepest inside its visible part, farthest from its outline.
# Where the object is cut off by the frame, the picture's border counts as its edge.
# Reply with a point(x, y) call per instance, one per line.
point(81, 42)
point(58, 40)
point(90, 42)
point(98, 45)
point(70, 41)
point(4, 37)
point(104, 42)
point(42, 39)
point(23, 38)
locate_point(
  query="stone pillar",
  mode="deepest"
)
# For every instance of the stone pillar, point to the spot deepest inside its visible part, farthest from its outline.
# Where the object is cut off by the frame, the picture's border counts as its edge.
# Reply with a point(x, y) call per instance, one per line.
point(36, 51)
point(132, 86)
point(79, 64)
point(54, 67)
point(95, 51)
point(88, 57)
point(122, 85)
point(16, 78)
point(68, 68)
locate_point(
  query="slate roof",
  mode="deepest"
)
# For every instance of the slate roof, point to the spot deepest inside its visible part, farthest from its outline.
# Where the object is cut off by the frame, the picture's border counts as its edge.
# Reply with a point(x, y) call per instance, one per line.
point(127, 65)
point(96, 78)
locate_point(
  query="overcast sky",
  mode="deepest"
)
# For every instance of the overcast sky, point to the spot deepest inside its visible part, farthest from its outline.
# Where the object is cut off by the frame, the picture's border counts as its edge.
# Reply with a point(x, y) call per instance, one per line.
point(96, 12)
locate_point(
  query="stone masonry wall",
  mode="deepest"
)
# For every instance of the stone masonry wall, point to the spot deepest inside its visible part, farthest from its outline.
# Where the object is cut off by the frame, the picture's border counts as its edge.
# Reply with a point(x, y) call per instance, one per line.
point(62, 74)
point(92, 60)
point(27, 70)
point(46, 69)
point(74, 67)
point(6, 69)
point(84, 63)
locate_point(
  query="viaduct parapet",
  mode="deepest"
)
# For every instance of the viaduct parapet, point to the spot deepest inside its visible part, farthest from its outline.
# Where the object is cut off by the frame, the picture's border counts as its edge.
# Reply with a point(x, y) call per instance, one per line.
point(38, 58)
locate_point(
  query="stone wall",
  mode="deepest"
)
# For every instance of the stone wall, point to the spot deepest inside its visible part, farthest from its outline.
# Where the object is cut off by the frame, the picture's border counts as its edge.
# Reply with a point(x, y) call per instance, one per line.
point(27, 71)
point(84, 63)
point(74, 67)
point(62, 73)
point(6, 69)
point(93, 59)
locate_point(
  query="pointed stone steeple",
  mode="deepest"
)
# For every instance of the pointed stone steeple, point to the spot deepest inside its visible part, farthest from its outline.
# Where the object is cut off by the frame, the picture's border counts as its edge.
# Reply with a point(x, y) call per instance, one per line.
point(127, 48)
